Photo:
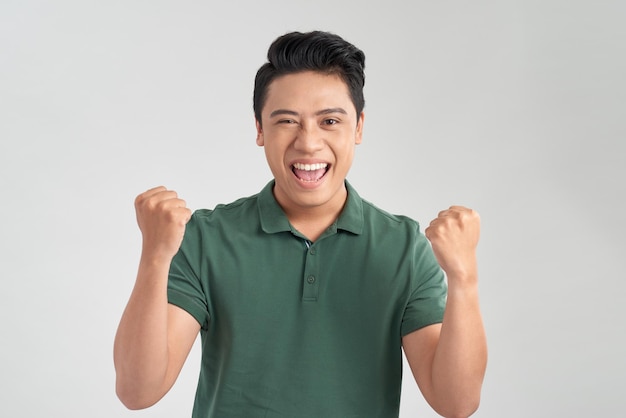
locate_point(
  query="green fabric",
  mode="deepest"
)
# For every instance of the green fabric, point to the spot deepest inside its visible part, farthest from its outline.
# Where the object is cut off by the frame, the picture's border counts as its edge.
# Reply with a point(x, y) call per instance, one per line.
point(292, 331)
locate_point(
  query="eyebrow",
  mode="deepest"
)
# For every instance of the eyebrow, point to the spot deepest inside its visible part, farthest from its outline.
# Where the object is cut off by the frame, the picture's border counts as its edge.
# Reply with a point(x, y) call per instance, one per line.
point(279, 112)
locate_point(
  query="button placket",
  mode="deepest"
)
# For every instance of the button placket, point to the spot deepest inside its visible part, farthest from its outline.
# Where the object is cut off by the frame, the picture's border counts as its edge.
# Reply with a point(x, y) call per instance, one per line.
point(311, 280)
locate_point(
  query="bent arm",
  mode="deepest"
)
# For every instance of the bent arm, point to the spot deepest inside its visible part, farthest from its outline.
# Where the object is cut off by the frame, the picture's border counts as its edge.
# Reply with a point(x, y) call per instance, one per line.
point(153, 340)
point(448, 360)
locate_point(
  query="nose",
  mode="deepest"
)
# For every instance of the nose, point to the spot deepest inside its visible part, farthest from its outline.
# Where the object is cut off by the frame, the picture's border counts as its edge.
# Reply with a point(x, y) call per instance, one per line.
point(309, 138)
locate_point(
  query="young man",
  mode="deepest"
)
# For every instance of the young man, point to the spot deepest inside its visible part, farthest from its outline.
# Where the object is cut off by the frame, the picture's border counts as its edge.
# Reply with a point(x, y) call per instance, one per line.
point(304, 294)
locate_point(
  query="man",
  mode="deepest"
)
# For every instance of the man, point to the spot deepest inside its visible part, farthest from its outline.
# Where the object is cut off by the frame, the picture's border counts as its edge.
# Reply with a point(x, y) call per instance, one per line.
point(304, 294)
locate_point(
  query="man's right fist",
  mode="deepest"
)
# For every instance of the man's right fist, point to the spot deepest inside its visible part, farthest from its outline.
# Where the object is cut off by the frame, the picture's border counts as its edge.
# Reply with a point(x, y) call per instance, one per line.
point(161, 217)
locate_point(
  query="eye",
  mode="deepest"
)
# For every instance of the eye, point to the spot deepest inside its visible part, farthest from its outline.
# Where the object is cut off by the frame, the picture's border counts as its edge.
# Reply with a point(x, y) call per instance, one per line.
point(330, 121)
point(287, 121)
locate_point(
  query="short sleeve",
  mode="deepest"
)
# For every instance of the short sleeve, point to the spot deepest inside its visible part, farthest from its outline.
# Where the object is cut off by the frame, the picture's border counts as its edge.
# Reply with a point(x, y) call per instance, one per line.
point(427, 299)
point(185, 288)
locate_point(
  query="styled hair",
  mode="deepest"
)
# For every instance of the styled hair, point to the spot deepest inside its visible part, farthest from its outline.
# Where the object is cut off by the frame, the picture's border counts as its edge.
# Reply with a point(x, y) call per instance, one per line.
point(318, 51)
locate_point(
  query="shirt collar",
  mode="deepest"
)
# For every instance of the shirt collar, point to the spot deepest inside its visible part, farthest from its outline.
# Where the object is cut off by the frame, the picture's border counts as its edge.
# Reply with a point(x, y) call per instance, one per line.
point(273, 218)
point(351, 217)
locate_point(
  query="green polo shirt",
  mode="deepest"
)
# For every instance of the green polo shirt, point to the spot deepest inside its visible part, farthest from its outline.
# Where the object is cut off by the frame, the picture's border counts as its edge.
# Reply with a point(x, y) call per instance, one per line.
point(296, 329)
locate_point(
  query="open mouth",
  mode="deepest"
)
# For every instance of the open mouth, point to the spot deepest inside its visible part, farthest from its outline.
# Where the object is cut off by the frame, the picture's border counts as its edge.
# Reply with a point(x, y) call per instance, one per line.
point(310, 173)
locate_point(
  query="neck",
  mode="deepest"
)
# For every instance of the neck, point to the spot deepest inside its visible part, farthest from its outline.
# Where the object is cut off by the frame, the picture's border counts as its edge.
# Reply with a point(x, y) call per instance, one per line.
point(312, 221)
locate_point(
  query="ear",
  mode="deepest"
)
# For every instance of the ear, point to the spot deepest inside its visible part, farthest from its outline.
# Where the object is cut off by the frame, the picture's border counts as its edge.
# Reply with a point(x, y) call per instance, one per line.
point(259, 134)
point(359, 129)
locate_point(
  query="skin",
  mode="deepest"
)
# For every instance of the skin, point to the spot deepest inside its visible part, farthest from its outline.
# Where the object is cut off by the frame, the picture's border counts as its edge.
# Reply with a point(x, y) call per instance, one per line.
point(449, 360)
point(308, 118)
point(153, 338)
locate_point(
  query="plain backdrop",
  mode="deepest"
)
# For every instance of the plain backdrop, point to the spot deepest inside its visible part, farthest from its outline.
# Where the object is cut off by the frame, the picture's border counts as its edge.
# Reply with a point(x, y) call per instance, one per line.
point(515, 108)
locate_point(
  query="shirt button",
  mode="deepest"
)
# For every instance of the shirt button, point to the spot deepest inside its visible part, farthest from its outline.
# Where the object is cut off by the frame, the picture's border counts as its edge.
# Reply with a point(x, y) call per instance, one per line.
point(310, 279)
point(312, 251)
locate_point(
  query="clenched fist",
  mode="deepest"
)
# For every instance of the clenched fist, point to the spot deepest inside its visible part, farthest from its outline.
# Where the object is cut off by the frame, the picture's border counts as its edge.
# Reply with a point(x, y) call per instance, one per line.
point(161, 217)
point(454, 237)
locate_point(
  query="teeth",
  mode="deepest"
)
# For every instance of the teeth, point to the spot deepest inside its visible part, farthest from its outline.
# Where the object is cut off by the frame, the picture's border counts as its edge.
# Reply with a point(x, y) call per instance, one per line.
point(310, 167)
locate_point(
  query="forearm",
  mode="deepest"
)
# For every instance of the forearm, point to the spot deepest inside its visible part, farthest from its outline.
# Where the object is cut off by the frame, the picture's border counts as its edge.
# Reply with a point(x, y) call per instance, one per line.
point(141, 344)
point(460, 358)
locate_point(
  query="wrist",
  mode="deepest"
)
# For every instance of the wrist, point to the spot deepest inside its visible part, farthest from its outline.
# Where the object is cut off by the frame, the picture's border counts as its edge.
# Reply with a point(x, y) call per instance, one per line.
point(155, 260)
point(463, 283)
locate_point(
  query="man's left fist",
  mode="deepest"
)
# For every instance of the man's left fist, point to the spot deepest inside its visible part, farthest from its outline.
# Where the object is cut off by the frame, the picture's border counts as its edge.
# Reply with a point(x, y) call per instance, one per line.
point(454, 237)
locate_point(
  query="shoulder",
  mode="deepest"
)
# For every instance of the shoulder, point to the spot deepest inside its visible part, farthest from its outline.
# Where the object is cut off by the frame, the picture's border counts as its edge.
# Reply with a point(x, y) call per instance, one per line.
point(373, 219)
point(375, 215)
point(223, 209)
point(240, 210)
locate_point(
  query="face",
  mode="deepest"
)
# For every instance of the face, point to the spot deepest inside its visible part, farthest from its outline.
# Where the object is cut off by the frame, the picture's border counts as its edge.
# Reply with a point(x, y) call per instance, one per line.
point(309, 131)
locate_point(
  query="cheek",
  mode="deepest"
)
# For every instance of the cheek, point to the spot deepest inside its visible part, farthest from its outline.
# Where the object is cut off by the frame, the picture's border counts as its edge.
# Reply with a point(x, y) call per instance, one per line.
point(274, 153)
point(346, 152)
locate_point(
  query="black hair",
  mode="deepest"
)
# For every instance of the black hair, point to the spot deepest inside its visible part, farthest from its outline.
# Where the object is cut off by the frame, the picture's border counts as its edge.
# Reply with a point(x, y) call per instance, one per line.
point(311, 51)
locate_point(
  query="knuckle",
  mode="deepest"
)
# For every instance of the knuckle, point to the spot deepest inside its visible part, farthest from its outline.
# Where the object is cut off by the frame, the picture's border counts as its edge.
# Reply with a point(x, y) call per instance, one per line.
point(152, 204)
point(140, 199)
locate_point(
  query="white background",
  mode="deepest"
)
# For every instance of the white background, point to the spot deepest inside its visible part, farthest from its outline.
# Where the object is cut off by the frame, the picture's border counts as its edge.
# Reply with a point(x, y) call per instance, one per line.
point(515, 108)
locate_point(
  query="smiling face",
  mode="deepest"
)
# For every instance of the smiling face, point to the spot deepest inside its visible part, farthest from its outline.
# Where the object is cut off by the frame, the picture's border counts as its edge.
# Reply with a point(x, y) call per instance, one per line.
point(309, 131)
